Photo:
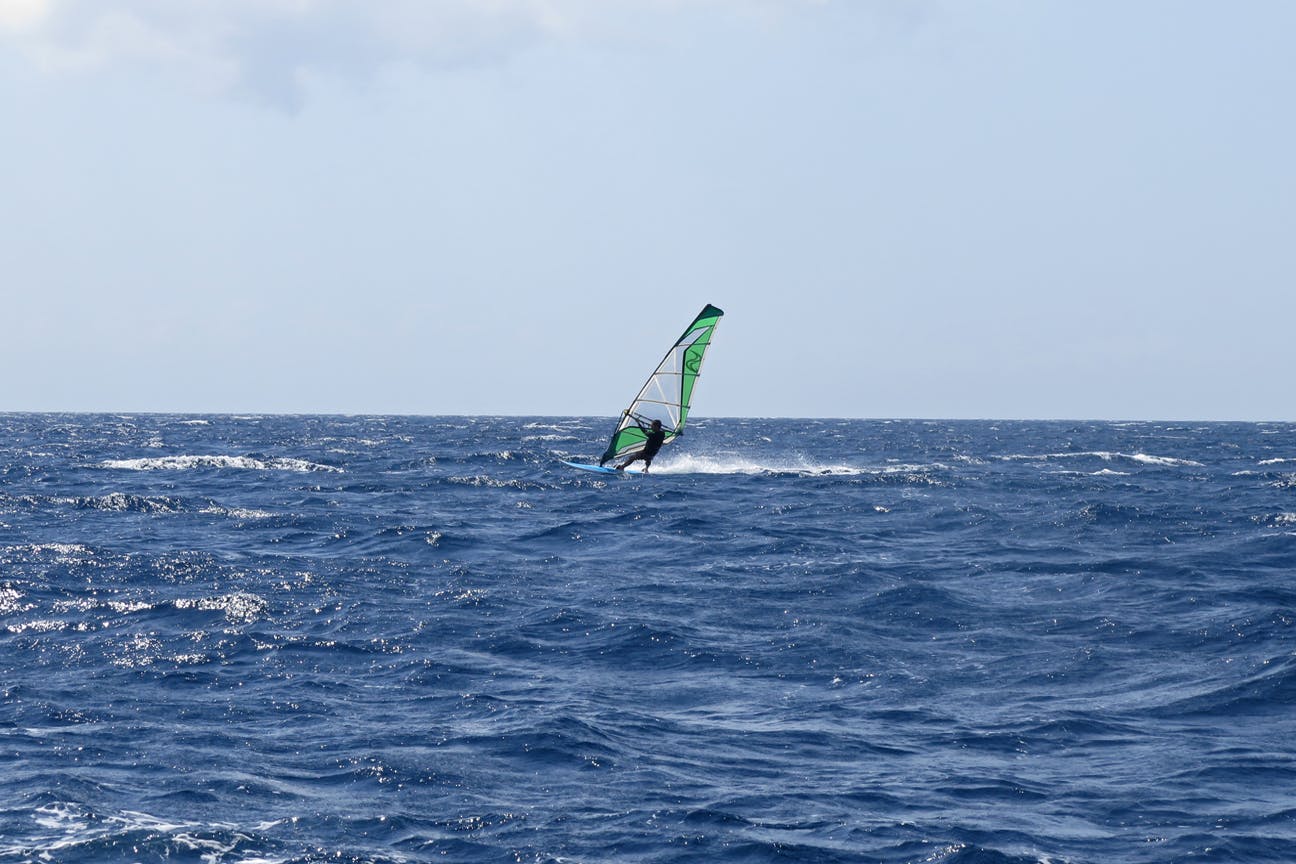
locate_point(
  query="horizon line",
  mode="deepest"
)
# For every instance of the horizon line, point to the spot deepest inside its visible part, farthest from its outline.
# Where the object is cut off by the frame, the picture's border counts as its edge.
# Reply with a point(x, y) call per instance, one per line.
point(877, 418)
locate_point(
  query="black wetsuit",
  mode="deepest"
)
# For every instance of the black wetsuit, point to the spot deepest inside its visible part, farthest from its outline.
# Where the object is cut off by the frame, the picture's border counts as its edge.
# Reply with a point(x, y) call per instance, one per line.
point(652, 444)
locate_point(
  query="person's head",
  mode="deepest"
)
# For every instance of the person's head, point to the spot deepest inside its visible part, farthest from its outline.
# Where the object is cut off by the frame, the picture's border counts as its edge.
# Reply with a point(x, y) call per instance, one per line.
point(656, 425)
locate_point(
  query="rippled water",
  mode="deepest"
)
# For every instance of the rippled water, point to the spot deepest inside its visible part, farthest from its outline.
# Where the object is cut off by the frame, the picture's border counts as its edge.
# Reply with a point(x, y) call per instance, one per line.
point(299, 639)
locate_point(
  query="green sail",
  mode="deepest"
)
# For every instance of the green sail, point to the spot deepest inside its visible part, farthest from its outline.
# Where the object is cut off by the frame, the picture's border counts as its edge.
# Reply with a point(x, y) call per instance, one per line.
point(668, 392)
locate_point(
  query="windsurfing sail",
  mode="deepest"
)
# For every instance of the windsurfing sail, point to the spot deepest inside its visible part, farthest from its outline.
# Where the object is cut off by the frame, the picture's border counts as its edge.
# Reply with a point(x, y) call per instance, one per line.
point(668, 392)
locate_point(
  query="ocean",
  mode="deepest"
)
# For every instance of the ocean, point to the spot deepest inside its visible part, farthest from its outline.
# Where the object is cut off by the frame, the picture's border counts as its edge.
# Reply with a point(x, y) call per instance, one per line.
point(263, 639)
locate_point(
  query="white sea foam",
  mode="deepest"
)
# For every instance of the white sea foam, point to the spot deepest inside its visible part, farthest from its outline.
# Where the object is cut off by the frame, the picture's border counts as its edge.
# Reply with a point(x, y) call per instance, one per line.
point(1105, 455)
point(236, 512)
point(556, 427)
point(1275, 461)
point(689, 464)
point(1164, 460)
point(121, 502)
point(72, 825)
point(740, 465)
point(186, 463)
point(59, 816)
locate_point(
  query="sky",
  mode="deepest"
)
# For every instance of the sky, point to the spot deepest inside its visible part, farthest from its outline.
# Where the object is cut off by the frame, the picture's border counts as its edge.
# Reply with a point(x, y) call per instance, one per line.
point(940, 209)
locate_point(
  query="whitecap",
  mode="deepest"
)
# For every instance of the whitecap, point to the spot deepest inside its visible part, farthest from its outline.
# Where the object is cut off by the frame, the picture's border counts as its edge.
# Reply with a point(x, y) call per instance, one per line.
point(1105, 455)
point(120, 502)
point(235, 512)
point(59, 816)
point(1165, 460)
point(185, 463)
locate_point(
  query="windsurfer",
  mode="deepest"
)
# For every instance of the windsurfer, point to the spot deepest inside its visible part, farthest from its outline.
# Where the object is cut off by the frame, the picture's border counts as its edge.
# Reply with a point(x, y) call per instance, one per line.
point(653, 443)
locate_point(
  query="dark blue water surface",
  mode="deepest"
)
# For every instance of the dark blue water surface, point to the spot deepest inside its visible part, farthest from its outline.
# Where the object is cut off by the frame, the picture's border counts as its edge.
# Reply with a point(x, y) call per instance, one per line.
point(390, 639)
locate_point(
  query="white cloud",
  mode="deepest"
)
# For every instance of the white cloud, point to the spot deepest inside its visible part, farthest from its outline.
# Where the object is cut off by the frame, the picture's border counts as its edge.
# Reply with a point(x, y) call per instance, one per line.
point(18, 15)
point(267, 47)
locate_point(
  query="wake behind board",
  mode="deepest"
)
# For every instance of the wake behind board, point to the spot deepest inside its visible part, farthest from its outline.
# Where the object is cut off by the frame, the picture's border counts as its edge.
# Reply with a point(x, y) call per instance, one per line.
point(599, 469)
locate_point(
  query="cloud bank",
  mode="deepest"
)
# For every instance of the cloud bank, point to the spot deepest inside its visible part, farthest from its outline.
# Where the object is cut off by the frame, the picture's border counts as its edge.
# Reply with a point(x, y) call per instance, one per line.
point(270, 49)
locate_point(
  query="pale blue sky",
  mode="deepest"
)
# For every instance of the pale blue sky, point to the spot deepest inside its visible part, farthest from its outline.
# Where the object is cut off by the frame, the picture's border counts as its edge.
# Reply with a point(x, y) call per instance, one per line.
point(927, 209)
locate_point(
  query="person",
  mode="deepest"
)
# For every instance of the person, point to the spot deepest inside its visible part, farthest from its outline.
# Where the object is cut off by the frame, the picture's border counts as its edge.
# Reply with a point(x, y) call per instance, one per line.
point(656, 438)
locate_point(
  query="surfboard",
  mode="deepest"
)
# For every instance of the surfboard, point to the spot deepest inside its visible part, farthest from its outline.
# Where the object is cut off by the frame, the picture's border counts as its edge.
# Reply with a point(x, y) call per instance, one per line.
point(599, 469)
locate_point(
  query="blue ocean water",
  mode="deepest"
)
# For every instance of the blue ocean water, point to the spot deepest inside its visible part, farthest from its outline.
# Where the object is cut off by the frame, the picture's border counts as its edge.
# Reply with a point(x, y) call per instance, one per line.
point(396, 639)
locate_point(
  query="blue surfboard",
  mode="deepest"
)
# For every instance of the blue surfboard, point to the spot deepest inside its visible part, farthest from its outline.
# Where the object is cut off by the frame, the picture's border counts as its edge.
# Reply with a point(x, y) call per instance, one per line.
point(599, 469)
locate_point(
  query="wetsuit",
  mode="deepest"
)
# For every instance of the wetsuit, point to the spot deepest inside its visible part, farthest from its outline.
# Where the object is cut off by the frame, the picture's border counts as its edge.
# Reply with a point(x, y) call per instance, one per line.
point(652, 444)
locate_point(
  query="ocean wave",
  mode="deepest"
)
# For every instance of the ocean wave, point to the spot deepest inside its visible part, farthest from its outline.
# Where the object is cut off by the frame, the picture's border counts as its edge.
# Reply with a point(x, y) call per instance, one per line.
point(1269, 690)
point(825, 619)
point(121, 502)
point(246, 463)
point(68, 831)
point(241, 607)
point(61, 553)
point(40, 625)
point(487, 481)
point(236, 512)
point(117, 502)
point(1106, 456)
point(1162, 460)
